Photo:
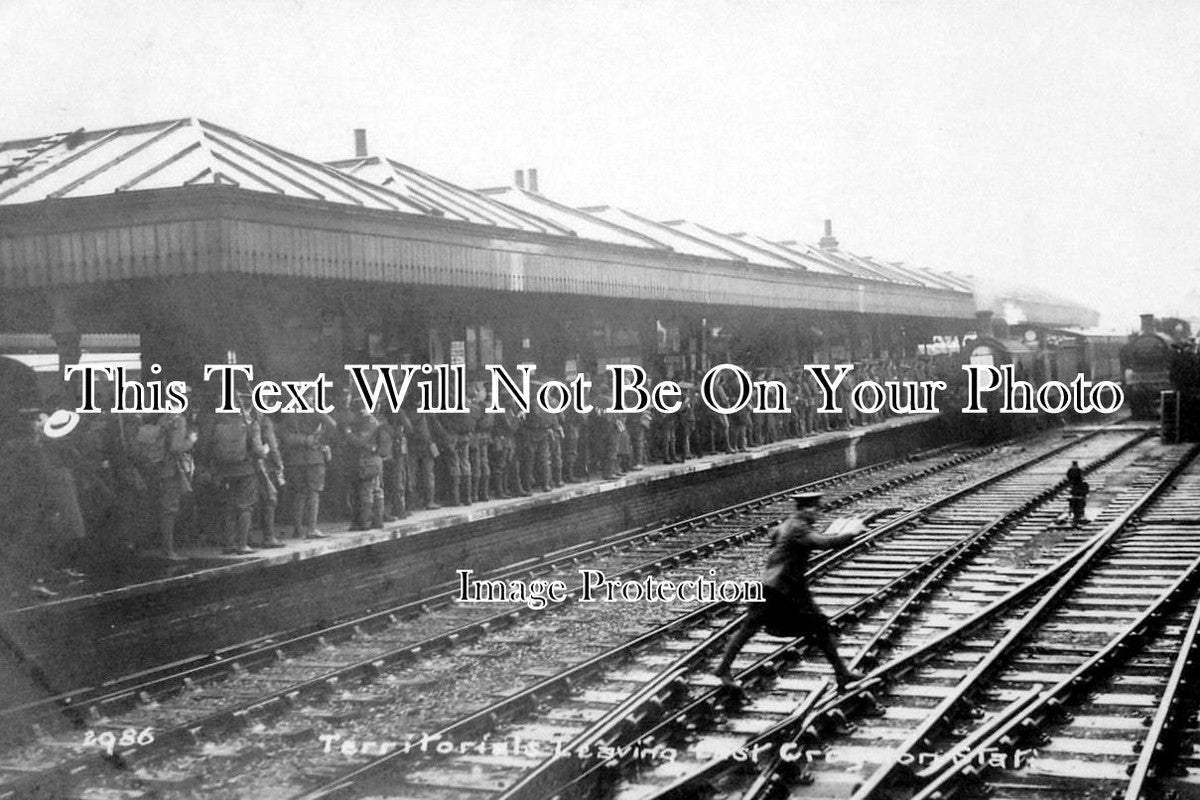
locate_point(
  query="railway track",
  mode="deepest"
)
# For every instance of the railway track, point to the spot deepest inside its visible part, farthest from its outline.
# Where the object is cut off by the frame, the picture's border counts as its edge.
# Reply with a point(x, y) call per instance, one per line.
point(201, 699)
point(370, 659)
point(1116, 723)
point(433, 614)
point(574, 715)
point(983, 689)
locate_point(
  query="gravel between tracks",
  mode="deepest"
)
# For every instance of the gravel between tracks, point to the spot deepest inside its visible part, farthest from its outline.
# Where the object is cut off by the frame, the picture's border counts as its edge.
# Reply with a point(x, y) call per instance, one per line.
point(269, 761)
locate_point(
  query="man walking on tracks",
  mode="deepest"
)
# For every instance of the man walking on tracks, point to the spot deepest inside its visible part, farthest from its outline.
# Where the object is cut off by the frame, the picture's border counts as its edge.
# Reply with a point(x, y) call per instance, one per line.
point(789, 608)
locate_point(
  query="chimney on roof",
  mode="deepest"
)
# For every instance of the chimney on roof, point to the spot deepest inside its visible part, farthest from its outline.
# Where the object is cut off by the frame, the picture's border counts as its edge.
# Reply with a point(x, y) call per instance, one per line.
point(519, 179)
point(828, 242)
point(983, 325)
point(533, 180)
point(1147, 324)
point(360, 142)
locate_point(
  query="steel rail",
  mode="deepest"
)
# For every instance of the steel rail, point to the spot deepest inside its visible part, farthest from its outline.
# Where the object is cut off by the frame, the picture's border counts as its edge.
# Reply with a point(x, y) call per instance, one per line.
point(687, 785)
point(1015, 634)
point(370, 667)
point(1010, 712)
point(386, 762)
point(1152, 746)
point(850, 549)
point(774, 779)
point(238, 714)
point(797, 723)
point(538, 784)
point(540, 780)
point(81, 705)
point(598, 730)
point(801, 722)
point(794, 729)
point(1157, 747)
point(529, 697)
point(535, 783)
point(804, 722)
point(1050, 701)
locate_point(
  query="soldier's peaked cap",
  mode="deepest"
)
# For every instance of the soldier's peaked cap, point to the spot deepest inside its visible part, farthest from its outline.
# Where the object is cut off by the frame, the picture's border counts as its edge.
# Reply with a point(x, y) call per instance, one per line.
point(807, 499)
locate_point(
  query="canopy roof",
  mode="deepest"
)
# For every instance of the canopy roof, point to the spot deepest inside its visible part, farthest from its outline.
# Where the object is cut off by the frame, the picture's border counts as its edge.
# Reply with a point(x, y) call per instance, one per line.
point(171, 154)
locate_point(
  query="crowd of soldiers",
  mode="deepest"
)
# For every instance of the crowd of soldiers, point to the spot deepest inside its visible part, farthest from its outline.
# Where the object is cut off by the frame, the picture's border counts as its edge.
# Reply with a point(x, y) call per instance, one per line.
point(122, 482)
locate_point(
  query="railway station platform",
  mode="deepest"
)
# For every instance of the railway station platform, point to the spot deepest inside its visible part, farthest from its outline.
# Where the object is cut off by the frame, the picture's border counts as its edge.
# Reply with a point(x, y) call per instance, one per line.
point(212, 601)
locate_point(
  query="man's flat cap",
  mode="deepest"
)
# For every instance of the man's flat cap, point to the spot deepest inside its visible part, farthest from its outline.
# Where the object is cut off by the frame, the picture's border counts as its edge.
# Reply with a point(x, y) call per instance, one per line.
point(807, 499)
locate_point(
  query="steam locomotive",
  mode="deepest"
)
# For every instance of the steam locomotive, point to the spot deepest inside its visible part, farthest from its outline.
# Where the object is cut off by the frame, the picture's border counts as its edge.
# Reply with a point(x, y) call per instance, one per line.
point(1155, 362)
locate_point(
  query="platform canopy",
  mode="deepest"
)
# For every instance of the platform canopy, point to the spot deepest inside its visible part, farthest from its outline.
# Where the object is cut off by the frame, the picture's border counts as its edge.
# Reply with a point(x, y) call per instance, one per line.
point(187, 197)
point(173, 154)
point(454, 202)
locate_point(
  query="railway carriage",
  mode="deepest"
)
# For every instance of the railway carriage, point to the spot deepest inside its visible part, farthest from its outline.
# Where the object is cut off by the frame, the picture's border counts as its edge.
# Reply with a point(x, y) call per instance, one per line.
point(1096, 355)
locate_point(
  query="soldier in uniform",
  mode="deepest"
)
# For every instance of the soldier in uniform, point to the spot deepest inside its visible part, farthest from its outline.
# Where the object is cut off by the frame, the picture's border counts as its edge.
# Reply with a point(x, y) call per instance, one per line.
point(635, 427)
point(101, 491)
point(610, 429)
point(775, 424)
point(481, 444)
point(802, 405)
point(554, 442)
point(820, 421)
point(715, 423)
point(595, 429)
point(340, 468)
point(574, 446)
point(687, 421)
point(506, 465)
point(789, 608)
point(423, 452)
point(459, 438)
point(305, 454)
point(849, 413)
point(533, 442)
point(756, 424)
point(269, 480)
point(367, 443)
point(395, 469)
point(665, 425)
point(232, 446)
point(790, 428)
point(163, 451)
point(112, 438)
point(739, 429)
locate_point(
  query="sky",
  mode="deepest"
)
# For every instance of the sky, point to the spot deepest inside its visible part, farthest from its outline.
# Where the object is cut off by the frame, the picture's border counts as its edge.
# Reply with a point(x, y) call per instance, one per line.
point(1039, 143)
